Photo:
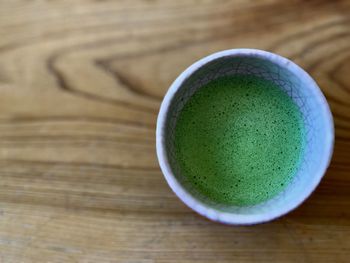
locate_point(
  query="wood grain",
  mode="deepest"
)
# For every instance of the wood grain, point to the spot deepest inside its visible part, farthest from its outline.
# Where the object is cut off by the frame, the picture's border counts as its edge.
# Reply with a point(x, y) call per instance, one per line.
point(80, 86)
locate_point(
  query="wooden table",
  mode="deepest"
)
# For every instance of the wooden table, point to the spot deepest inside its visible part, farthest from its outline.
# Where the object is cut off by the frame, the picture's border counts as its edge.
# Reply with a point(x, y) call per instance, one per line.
point(80, 86)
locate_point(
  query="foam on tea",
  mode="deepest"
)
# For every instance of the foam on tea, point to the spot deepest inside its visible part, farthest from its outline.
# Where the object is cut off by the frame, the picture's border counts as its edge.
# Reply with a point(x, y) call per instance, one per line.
point(239, 140)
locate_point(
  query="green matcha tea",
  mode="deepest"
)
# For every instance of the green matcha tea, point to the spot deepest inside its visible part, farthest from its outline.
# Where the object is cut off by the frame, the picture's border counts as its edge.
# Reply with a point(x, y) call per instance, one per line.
point(239, 140)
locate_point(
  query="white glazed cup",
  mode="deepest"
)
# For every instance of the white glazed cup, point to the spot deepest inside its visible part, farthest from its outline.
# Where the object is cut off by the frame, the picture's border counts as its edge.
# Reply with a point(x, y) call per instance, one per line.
point(297, 84)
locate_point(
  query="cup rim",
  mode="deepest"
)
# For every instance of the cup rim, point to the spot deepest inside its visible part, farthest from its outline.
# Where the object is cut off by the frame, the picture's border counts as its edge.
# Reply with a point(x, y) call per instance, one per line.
point(231, 217)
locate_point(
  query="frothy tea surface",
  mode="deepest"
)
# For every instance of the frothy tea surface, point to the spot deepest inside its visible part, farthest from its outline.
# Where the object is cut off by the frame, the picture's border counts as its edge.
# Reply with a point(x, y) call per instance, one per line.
point(239, 140)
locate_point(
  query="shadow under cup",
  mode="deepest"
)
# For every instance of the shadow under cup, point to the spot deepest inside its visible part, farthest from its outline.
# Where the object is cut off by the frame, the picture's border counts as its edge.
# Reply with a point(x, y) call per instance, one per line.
point(295, 82)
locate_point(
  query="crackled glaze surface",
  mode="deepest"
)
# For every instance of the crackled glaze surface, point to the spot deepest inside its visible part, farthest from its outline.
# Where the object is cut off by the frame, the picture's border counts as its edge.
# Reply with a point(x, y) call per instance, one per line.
point(292, 80)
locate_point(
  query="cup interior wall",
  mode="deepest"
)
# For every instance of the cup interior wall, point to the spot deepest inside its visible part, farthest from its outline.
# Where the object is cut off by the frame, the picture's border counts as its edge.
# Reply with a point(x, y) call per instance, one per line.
point(297, 88)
